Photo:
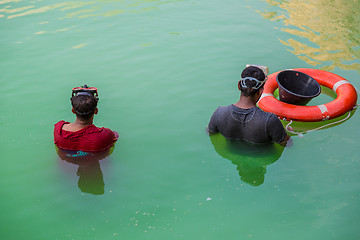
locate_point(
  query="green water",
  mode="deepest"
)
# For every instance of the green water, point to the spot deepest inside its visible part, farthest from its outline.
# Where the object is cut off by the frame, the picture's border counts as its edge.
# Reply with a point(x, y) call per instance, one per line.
point(162, 68)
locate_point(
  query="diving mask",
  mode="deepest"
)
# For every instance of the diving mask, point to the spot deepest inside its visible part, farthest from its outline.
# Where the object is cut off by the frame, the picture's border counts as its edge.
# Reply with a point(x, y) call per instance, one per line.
point(85, 90)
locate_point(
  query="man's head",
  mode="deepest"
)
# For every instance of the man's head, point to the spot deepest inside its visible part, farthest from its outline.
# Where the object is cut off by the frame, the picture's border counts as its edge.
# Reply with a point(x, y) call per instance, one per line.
point(252, 80)
point(84, 106)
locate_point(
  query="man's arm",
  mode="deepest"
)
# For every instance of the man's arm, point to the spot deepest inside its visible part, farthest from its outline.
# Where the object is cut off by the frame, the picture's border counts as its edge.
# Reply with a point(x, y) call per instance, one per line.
point(287, 141)
point(277, 132)
point(209, 131)
point(212, 126)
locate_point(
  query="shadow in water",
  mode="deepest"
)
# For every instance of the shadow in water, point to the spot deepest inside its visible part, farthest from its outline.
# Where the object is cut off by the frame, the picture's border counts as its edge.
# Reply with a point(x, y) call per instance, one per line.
point(251, 160)
point(89, 171)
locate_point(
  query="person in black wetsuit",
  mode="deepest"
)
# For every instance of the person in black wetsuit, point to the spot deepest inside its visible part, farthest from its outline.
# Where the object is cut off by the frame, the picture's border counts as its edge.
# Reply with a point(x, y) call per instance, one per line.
point(244, 120)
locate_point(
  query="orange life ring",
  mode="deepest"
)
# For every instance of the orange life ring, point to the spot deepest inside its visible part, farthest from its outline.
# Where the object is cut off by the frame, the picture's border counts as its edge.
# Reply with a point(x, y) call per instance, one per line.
point(345, 100)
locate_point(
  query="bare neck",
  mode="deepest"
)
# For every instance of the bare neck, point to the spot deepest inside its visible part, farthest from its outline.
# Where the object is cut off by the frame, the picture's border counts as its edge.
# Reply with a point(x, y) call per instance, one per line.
point(78, 124)
point(81, 122)
point(246, 102)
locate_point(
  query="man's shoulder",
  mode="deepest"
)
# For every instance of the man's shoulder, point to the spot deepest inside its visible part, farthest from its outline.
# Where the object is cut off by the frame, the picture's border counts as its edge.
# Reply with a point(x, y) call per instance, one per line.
point(223, 109)
point(60, 123)
point(97, 130)
point(58, 126)
point(104, 132)
point(265, 114)
point(226, 107)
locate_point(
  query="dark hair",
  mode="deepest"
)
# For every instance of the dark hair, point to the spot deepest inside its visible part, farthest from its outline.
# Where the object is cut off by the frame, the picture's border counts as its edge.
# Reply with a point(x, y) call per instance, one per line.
point(84, 106)
point(254, 72)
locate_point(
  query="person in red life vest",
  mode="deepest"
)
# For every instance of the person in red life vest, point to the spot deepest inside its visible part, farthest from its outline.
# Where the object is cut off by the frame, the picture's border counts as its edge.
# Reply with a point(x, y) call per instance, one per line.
point(82, 135)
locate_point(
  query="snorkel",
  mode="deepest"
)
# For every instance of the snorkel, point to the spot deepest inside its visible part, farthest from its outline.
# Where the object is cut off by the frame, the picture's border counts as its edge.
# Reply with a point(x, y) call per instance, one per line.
point(85, 90)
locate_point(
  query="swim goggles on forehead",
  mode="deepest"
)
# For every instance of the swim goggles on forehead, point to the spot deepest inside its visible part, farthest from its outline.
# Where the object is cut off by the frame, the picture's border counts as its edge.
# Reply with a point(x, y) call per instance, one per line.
point(85, 90)
point(257, 85)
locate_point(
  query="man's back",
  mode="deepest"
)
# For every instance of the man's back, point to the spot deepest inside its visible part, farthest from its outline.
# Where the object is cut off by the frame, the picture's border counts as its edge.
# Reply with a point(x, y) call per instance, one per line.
point(252, 125)
point(88, 139)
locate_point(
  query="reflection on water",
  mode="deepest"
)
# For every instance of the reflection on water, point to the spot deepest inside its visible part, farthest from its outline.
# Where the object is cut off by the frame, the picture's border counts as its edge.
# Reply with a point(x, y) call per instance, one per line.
point(80, 9)
point(251, 160)
point(89, 171)
point(62, 11)
point(329, 30)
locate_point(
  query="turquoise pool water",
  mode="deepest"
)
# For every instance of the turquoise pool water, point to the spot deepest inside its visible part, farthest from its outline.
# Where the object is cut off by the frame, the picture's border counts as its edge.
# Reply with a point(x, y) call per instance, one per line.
point(162, 68)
